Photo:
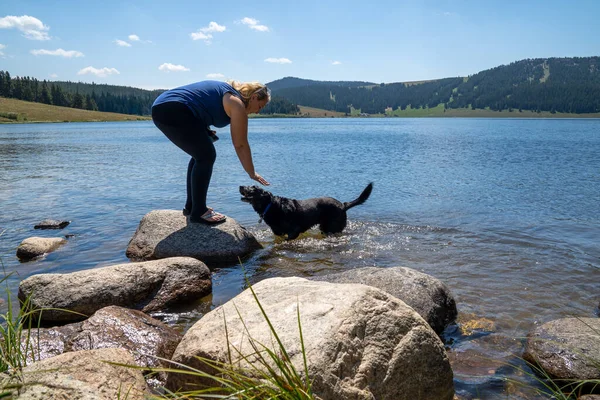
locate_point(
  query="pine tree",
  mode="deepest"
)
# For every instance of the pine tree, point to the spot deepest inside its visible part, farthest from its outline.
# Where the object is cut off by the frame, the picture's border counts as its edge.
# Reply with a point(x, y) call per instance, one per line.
point(17, 89)
point(77, 101)
point(3, 83)
point(90, 103)
point(45, 94)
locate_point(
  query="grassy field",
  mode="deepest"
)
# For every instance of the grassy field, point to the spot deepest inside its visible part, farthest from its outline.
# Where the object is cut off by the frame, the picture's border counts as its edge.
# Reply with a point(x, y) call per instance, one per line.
point(14, 111)
point(318, 113)
point(438, 112)
point(469, 113)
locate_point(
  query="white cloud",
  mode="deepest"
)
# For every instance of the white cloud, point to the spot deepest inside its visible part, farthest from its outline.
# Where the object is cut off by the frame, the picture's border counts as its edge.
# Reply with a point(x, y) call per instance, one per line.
point(249, 21)
point(201, 36)
point(278, 60)
point(31, 27)
point(213, 27)
point(168, 67)
point(134, 38)
point(215, 76)
point(206, 32)
point(101, 73)
point(254, 24)
point(36, 35)
point(1, 48)
point(54, 76)
point(57, 52)
point(260, 28)
point(336, 63)
point(122, 43)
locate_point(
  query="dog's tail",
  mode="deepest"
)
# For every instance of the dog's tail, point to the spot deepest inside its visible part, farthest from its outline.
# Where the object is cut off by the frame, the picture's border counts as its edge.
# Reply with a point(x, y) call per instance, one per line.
point(361, 199)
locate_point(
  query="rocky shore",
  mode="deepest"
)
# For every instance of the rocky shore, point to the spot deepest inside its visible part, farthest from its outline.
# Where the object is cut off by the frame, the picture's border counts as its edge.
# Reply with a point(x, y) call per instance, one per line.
point(368, 333)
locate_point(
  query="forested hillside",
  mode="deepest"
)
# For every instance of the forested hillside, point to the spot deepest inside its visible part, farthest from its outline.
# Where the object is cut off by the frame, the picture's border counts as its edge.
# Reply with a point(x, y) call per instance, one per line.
point(568, 85)
point(85, 96)
point(371, 99)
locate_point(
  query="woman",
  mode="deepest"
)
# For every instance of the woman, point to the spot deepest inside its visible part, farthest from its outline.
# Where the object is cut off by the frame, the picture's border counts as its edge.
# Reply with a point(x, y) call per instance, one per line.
point(184, 115)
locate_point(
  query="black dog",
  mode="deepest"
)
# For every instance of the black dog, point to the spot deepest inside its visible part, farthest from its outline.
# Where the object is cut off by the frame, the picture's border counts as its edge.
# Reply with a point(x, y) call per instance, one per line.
point(292, 217)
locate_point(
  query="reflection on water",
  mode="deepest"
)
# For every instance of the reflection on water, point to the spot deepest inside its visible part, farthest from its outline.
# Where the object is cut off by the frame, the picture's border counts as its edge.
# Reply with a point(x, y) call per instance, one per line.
point(506, 213)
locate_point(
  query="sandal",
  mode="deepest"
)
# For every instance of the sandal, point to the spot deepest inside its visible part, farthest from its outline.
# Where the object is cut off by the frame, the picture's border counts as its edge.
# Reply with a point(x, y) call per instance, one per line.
point(211, 217)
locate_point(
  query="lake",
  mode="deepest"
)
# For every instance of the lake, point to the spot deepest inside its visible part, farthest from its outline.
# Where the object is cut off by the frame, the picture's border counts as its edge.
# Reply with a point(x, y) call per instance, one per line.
point(506, 212)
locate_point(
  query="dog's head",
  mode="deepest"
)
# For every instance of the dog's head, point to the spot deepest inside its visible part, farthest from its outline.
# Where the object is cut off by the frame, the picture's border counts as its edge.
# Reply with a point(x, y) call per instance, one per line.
point(259, 198)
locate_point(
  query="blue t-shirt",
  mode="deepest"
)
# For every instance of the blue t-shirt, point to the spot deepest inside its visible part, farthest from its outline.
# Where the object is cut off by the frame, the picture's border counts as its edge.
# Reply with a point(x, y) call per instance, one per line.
point(205, 99)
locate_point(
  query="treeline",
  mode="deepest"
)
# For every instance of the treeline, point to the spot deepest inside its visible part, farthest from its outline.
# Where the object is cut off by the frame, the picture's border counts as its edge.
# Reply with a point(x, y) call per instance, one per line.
point(280, 105)
point(86, 96)
point(569, 85)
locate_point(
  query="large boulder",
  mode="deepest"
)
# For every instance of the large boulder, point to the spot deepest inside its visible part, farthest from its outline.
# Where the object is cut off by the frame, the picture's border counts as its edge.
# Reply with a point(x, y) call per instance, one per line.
point(146, 286)
point(84, 375)
point(146, 338)
point(361, 343)
point(567, 348)
point(33, 247)
point(168, 233)
point(425, 294)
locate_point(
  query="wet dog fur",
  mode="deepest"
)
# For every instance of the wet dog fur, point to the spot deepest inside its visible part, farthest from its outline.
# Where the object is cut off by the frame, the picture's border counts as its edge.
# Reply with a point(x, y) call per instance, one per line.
point(292, 217)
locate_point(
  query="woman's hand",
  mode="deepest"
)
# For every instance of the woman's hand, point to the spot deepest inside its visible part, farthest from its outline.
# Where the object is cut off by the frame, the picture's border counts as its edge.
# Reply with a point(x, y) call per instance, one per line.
point(259, 179)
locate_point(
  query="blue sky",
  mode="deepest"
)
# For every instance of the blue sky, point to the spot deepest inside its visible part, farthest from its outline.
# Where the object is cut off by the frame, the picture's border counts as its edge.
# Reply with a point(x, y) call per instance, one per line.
point(163, 44)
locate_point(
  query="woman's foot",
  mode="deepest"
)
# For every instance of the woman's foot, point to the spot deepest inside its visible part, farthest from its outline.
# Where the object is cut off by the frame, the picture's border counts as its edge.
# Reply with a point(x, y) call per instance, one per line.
point(210, 217)
point(187, 211)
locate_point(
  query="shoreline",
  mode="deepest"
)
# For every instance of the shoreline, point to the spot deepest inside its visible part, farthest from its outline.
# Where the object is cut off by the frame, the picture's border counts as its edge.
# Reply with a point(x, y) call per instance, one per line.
point(566, 117)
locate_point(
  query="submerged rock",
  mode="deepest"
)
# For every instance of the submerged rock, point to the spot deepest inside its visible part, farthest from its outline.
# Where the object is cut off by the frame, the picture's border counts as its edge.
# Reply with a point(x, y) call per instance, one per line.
point(168, 233)
point(567, 348)
point(361, 342)
point(425, 294)
point(146, 286)
point(51, 224)
point(34, 247)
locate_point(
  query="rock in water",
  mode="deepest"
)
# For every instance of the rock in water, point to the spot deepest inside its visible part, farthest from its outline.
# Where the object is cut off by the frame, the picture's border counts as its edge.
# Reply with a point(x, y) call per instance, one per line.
point(167, 233)
point(33, 247)
point(51, 224)
point(147, 286)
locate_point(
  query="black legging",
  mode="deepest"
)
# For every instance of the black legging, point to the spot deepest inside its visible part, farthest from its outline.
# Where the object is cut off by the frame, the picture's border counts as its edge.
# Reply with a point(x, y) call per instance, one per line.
point(191, 135)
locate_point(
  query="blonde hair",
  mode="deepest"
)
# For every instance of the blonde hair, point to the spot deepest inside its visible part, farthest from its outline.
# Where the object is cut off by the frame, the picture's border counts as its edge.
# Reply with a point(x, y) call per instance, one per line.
point(247, 89)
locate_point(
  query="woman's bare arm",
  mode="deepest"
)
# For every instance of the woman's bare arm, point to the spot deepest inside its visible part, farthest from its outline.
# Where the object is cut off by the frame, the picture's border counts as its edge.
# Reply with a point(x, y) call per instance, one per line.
point(235, 109)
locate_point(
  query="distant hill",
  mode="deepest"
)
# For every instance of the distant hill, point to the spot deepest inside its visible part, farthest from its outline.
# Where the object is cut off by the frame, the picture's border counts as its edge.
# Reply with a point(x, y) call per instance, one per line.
point(371, 99)
point(291, 82)
point(566, 85)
